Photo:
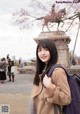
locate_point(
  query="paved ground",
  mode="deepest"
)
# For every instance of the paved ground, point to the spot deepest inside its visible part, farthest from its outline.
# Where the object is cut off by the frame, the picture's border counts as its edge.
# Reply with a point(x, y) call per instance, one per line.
point(14, 96)
point(22, 84)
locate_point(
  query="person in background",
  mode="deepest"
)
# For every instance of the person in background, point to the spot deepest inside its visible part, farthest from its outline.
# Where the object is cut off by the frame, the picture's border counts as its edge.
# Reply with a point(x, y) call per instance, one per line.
point(12, 71)
point(9, 65)
point(49, 94)
point(2, 70)
point(74, 61)
point(8, 56)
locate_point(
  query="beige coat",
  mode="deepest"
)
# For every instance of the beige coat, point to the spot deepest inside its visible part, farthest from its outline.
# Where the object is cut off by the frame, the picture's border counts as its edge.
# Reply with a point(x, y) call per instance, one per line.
point(45, 99)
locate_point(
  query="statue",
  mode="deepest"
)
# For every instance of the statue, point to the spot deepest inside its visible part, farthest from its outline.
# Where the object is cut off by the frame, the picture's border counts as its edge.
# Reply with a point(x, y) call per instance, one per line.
point(53, 17)
point(53, 9)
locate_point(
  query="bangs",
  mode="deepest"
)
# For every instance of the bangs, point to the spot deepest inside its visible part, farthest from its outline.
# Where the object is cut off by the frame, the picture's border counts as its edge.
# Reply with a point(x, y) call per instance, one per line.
point(42, 44)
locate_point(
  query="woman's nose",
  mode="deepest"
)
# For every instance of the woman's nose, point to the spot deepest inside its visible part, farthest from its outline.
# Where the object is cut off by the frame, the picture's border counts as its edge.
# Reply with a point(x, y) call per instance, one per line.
point(43, 52)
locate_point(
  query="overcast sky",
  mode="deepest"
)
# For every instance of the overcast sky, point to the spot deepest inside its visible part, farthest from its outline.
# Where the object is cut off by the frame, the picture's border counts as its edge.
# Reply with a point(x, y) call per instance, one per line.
point(14, 41)
point(20, 43)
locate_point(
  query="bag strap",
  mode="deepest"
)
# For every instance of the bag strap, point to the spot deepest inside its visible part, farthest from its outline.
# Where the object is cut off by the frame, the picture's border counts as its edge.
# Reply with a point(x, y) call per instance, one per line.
point(53, 68)
point(60, 66)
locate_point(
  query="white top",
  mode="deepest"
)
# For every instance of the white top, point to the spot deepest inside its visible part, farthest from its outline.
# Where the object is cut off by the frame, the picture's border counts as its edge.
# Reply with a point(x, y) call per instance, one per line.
point(13, 69)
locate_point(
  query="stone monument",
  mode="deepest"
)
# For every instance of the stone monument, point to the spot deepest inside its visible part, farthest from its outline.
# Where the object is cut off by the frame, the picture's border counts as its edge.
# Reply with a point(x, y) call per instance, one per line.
point(61, 41)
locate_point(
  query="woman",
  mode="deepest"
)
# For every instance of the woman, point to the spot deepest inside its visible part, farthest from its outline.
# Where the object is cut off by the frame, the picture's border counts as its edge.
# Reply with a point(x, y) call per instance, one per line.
point(49, 93)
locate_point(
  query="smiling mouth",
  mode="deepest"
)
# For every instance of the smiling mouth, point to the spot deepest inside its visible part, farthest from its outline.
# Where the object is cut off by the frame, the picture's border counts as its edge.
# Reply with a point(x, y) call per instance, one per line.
point(43, 57)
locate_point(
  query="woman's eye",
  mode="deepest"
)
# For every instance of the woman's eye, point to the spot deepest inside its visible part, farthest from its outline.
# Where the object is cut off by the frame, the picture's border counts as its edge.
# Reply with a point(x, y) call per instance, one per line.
point(39, 50)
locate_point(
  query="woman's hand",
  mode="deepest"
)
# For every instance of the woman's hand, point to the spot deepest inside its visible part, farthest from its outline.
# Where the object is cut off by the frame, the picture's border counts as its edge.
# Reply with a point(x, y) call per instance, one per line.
point(47, 82)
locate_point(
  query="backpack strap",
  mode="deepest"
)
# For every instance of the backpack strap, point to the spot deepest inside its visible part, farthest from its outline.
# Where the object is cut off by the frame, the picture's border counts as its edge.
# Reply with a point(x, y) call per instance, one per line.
point(53, 68)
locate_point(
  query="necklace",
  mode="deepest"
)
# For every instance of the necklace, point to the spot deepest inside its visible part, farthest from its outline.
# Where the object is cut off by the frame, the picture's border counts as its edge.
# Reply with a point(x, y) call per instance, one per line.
point(44, 69)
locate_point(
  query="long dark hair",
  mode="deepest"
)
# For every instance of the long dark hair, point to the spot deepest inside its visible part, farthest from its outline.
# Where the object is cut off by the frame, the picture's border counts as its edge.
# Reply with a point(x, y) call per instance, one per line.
point(50, 45)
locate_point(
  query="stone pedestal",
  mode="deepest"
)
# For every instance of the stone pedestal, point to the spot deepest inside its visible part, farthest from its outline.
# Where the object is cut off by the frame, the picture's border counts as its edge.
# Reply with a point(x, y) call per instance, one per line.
point(61, 41)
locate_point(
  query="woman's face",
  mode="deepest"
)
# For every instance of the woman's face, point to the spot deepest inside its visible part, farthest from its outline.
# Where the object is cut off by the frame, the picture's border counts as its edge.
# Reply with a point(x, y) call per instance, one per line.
point(43, 54)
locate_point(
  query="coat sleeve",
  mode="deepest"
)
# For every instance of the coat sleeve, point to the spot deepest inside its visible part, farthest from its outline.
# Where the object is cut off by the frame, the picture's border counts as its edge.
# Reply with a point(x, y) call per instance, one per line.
point(61, 95)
